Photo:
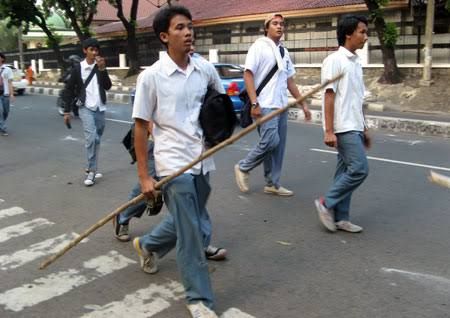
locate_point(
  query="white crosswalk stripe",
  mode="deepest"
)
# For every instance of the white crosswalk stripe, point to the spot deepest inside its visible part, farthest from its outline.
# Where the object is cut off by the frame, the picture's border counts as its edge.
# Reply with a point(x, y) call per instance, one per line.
point(143, 303)
point(35, 251)
point(235, 313)
point(11, 212)
point(24, 228)
point(57, 284)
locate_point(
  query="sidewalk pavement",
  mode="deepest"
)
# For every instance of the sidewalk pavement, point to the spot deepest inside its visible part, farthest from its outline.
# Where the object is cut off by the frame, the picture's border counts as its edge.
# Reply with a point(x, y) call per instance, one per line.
point(376, 116)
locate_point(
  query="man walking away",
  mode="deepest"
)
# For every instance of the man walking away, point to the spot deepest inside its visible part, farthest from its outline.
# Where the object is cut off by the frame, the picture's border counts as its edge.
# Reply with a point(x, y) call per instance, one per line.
point(6, 93)
point(344, 126)
point(261, 58)
point(88, 84)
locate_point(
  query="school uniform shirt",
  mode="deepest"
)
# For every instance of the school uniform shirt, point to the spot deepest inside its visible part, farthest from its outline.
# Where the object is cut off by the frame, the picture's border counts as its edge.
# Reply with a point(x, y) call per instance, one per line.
point(171, 98)
point(260, 60)
point(93, 99)
point(7, 75)
point(348, 102)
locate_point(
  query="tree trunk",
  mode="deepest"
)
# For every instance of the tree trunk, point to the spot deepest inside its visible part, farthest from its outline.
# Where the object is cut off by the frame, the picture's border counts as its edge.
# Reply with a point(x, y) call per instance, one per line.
point(130, 26)
point(391, 73)
point(133, 59)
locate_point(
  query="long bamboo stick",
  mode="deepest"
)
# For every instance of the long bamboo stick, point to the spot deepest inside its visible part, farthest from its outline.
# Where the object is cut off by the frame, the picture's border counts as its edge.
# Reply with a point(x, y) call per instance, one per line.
point(439, 179)
point(203, 156)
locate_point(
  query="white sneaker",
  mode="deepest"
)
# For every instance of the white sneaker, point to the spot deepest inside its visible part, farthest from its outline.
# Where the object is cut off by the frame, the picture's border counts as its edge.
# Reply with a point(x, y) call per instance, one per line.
point(280, 191)
point(326, 216)
point(147, 259)
point(199, 310)
point(98, 175)
point(215, 253)
point(348, 226)
point(241, 178)
point(90, 179)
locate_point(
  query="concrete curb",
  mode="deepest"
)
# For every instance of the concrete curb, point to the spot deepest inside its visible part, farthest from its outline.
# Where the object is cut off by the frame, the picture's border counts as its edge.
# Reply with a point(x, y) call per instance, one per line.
point(123, 98)
point(395, 124)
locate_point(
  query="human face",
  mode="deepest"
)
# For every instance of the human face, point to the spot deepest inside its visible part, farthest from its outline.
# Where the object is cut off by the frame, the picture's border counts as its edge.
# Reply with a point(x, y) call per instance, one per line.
point(91, 53)
point(275, 29)
point(357, 39)
point(179, 36)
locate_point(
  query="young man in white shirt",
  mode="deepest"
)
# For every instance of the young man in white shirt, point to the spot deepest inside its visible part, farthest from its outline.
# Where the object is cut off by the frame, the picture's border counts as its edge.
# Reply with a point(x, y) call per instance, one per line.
point(170, 94)
point(92, 100)
point(6, 93)
point(261, 58)
point(344, 125)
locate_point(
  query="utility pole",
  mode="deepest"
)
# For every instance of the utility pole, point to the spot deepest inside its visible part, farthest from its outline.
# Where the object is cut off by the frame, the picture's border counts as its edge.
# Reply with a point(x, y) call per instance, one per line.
point(426, 78)
point(20, 43)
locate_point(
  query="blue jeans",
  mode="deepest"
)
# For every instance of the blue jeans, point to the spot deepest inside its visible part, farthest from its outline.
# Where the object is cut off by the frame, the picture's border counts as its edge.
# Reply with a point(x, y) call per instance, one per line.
point(185, 197)
point(351, 170)
point(93, 126)
point(270, 148)
point(4, 112)
point(139, 208)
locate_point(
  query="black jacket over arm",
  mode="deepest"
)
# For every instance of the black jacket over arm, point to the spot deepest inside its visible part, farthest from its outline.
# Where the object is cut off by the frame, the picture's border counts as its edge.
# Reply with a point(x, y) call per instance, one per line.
point(75, 88)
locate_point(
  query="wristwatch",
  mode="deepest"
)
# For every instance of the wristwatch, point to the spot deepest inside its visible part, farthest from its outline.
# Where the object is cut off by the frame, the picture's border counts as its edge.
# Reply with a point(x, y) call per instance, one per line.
point(254, 105)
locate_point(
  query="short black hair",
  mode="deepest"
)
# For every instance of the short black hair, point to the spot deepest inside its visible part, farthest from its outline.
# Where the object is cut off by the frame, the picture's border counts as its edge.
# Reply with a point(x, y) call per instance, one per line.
point(3, 57)
point(347, 25)
point(91, 42)
point(161, 22)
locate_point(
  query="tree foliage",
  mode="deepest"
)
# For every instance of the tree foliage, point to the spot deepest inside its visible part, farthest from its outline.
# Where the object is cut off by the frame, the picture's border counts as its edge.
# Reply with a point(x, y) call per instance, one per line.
point(8, 36)
point(80, 13)
point(27, 12)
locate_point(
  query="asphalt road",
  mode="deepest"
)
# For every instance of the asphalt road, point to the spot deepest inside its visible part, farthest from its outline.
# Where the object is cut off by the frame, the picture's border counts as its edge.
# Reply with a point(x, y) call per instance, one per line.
point(282, 263)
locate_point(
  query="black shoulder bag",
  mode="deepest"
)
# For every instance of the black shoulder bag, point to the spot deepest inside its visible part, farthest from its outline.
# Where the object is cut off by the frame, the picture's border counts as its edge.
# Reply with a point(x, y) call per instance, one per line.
point(245, 115)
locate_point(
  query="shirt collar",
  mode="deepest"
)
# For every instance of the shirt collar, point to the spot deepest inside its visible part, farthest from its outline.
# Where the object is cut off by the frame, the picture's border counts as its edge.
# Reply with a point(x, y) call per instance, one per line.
point(348, 54)
point(170, 67)
point(86, 66)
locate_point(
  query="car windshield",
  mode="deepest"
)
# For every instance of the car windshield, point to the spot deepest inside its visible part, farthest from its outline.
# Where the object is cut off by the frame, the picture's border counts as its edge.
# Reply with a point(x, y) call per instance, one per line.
point(229, 71)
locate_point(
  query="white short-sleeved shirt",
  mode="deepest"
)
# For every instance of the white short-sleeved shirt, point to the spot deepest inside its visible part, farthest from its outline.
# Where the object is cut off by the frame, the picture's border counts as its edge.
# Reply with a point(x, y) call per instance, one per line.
point(348, 102)
point(7, 75)
point(93, 99)
point(260, 60)
point(171, 98)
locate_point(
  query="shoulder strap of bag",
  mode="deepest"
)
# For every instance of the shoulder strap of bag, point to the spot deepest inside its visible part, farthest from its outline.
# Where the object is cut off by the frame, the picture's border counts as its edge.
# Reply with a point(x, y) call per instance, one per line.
point(269, 75)
point(91, 75)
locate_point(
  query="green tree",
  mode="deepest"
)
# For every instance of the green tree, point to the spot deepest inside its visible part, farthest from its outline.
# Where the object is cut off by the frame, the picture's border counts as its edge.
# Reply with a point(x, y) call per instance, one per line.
point(8, 37)
point(130, 27)
point(26, 13)
point(80, 13)
point(387, 35)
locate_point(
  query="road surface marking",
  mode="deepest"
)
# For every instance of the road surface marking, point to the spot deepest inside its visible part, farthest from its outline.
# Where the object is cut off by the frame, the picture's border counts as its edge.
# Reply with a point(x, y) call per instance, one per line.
point(442, 284)
point(22, 228)
point(119, 121)
point(35, 251)
point(11, 212)
point(235, 313)
point(143, 303)
point(406, 163)
point(57, 284)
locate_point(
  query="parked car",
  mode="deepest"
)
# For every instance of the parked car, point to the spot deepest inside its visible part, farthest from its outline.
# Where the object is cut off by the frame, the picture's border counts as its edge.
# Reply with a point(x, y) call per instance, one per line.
point(232, 77)
point(19, 80)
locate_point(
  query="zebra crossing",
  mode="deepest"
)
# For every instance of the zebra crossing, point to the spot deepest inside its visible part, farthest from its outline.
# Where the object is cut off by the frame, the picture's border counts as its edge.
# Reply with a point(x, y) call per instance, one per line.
point(14, 302)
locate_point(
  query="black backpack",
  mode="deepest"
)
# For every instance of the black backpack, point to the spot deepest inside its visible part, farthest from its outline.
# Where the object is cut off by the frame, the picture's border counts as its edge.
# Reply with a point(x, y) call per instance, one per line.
point(217, 117)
